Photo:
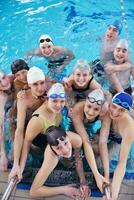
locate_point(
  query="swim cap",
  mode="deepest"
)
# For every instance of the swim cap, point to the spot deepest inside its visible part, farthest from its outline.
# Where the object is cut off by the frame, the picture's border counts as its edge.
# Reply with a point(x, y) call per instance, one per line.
point(54, 134)
point(18, 65)
point(123, 99)
point(56, 91)
point(123, 44)
point(45, 40)
point(82, 65)
point(117, 24)
point(96, 96)
point(35, 74)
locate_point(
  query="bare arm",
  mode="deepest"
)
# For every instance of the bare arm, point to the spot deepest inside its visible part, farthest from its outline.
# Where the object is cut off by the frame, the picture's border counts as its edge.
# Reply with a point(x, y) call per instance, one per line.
point(19, 133)
point(104, 133)
point(49, 163)
point(32, 52)
point(34, 127)
point(39, 190)
point(80, 129)
point(112, 68)
point(121, 166)
point(115, 81)
point(3, 157)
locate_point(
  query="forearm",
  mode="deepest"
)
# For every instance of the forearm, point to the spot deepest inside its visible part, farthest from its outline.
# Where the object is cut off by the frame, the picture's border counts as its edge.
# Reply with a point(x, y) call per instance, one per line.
point(18, 142)
point(118, 87)
point(45, 191)
point(2, 143)
point(79, 166)
point(90, 158)
point(122, 67)
point(25, 151)
point(117, 179)
point(105, 158)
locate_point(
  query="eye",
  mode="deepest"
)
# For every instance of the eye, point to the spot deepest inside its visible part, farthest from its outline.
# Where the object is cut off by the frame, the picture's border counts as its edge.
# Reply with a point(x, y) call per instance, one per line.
point(54, 101)
point(85, 75)
point(124, 50)
point(35, 84)
point(78, 74)
point(42, 82)
point(62, 101)
point(89, 106)
point(115, 30)
point(96, 109)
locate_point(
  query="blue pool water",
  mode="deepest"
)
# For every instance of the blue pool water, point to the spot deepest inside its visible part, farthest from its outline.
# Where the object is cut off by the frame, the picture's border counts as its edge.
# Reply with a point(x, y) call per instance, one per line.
point(74, 24)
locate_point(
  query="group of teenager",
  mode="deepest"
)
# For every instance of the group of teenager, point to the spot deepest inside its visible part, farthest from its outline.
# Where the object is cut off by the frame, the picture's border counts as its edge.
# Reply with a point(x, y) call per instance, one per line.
point(33, 103)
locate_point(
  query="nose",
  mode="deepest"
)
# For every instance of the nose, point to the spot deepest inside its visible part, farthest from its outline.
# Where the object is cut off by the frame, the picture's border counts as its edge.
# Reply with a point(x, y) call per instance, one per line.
point(65, 150)
point(91, 112)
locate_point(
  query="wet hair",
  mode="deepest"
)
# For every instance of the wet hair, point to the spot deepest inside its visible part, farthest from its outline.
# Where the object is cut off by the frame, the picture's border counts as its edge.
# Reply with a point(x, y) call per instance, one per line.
point(53, 134)
point(18, 65)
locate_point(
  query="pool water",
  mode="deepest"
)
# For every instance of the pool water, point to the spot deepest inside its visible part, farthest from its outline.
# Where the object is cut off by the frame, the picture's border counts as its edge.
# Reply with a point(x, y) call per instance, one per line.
point(77, 25)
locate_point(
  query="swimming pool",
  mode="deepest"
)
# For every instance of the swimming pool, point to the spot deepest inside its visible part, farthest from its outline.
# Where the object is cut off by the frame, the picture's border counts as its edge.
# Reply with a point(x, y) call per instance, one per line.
point(76, 25)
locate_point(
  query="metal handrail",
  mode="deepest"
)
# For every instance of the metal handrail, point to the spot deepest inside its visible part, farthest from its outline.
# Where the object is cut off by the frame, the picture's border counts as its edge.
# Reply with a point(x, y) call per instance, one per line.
point(10, 188)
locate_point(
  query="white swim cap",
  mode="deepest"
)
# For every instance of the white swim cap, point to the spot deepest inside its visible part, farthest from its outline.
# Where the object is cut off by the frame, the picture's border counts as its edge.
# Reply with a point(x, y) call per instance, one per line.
point(96, 95)
point(56, 91)
point(35, 74)
point(45, 40)
point(82, 65)
point(123, 44)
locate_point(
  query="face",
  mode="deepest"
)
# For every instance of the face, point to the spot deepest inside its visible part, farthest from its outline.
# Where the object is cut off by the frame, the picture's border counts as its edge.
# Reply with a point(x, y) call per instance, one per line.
point(92, 110)
point(38, 88)
point(81, 78)
point(111, 33)
point(56, 104)
point(116, 111)
point(120, 55)
point(64, 148)
point(47, 50)
point(22, 75)
point(4, 82)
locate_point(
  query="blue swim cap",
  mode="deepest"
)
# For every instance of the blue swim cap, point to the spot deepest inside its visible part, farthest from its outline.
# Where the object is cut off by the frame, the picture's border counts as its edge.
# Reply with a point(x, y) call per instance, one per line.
point(118, 25)
point(123, 99)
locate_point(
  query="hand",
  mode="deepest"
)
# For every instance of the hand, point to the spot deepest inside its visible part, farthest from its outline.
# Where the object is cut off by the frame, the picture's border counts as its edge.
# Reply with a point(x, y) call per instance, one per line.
point(71, 113)
point(15, 171)
point(3, 162)
point(100, 180)
point(110, 69)
point(21, 94)
point(66, 83)
point(72, 192)
point(85, 191)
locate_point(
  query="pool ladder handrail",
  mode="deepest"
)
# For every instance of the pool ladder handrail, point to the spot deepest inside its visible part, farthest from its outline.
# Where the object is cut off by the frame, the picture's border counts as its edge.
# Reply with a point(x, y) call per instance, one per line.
point(107, 192)
point(11, 185)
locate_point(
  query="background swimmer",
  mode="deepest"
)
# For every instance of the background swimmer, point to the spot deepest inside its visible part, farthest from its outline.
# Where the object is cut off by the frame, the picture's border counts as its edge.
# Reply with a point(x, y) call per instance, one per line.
point(58, 57)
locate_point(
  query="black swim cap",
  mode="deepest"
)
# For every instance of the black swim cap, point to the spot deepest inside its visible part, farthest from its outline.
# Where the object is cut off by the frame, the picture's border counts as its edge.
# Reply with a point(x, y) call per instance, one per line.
point(18, 65)
point(53, 134)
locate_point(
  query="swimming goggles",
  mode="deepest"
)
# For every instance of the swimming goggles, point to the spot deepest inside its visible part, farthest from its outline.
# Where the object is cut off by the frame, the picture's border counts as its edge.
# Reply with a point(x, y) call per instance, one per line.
point(120, 103)
point(45, 40)
point(93, 100)
point(54, 96)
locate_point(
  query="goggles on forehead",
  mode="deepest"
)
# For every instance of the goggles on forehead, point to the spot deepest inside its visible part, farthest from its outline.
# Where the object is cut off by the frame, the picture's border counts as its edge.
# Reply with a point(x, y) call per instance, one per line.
point(124, 104)
point(54, 96)
point(45, 40)
point(93, 100)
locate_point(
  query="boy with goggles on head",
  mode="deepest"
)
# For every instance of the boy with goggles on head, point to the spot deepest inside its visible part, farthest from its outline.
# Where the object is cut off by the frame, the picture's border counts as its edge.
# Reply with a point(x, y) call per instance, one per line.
point(119, 69)
point(109, 41)
point(118, 117)
point(58, 57)
point(85, 113)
